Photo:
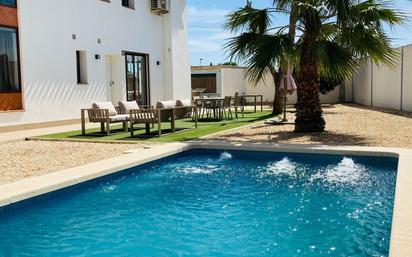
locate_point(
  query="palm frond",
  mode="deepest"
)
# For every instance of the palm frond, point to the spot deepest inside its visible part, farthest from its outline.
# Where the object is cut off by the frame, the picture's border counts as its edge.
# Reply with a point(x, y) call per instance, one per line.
point(268, 52)
point(259, 52)
point(335, 61)
point(371, 12)
point(242, 46)
point(369, 42)
point(249, 19)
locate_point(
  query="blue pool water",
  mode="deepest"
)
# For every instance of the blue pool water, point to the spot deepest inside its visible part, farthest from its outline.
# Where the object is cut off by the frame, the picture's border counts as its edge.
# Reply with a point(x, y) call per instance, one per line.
point(214, 203)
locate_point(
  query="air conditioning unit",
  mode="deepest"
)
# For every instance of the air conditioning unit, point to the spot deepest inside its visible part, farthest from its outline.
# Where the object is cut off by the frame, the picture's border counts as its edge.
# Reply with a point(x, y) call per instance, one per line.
point(160, 6)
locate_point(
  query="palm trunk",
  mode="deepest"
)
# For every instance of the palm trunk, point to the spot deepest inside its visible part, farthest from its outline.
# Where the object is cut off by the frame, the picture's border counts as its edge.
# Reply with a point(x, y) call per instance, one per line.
point(277, 98)
point(308, 109)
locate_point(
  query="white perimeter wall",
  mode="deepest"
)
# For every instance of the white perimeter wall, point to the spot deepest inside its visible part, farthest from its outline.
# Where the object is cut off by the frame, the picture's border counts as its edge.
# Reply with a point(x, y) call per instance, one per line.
point(385, 87)
point(232, 80)
point(48, 53)
point(407, 79)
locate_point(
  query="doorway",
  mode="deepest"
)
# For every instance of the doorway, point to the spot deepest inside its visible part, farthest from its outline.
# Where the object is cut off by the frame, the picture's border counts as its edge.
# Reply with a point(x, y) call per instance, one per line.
point(205, 81)
point(115, 78)
point(137, 86)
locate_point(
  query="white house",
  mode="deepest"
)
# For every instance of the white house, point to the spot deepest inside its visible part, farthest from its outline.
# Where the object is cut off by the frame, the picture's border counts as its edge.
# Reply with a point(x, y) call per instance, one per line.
point(58, 56)
point(226, 80)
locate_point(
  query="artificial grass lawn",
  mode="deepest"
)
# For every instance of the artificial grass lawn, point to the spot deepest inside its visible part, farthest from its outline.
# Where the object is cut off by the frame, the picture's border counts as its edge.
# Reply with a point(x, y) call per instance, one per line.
point(183, 130)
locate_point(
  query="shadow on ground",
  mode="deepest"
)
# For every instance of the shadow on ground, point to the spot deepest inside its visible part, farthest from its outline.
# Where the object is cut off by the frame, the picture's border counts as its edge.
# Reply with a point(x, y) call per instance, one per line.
point(290, 137)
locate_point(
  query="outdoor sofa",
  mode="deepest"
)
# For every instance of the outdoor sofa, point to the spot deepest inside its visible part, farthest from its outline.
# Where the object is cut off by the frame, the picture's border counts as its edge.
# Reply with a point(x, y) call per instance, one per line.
point(127, 112)
point(165, 111)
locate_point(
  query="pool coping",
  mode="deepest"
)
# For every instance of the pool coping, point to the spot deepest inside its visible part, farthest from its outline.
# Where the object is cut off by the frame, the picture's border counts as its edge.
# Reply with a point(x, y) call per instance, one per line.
point(401, 236)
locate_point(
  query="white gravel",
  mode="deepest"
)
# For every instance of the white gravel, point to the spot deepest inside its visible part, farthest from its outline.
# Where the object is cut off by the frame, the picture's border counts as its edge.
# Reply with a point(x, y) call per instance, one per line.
point(346, 124)
point(25, 159)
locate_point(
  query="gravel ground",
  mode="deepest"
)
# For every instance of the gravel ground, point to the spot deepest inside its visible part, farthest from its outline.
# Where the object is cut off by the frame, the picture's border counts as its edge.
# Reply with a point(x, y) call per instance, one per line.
point(33, 158)
point(347, 124)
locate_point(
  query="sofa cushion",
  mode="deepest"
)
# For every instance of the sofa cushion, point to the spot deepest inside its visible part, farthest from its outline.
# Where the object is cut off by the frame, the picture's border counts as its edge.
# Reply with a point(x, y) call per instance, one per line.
point(185, 102)
point(119, 118)
point(126, 106)
point(166, 104)
point(106, 105)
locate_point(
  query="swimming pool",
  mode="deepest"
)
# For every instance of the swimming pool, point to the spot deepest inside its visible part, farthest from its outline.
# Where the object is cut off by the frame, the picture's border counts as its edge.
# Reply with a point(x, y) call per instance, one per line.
point(214, 203)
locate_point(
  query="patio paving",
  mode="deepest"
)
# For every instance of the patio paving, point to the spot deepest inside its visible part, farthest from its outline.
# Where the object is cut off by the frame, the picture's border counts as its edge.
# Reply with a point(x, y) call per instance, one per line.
point(346, 124)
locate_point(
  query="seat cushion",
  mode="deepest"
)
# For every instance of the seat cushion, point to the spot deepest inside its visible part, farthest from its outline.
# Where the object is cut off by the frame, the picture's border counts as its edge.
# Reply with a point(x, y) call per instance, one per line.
point(106, 105)
point(166, 104)
point(126, 106)
point(185, 102)
point(119, 118)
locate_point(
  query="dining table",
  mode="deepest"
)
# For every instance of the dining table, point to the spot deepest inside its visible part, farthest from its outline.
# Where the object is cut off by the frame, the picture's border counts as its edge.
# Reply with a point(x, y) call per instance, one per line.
point(214, 102)
point(255, 97)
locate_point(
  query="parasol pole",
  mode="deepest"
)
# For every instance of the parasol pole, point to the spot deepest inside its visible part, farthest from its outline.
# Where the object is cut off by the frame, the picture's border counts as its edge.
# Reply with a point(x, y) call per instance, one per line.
point(284, 107)
point(284, 99)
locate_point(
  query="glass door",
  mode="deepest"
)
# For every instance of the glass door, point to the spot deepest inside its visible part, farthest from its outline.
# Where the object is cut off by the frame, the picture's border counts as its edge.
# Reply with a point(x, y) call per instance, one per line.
point(137, 79)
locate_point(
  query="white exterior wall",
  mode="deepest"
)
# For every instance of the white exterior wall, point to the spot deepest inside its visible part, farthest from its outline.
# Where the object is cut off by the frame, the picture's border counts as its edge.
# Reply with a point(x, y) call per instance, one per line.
point(265, 88)
point(349, 91)
point(330, 98)
point(232, 80)
point(362, 85)
point(385, 87)
point(407, 79)
point(177, 79)
point(386, 91)
point(48, 62)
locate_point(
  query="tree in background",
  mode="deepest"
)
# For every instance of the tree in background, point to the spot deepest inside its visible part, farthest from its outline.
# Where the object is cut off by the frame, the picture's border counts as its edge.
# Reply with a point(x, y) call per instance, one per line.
point(230, 64)
point(332, 38)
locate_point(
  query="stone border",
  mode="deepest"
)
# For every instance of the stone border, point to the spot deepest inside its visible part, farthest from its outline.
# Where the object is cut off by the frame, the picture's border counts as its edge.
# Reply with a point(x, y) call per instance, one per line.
point(37, 125)
point(401, 236)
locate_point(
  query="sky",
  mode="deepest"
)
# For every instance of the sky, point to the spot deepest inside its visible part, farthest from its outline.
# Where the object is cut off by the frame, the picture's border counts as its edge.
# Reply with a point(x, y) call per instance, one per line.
point(207, 35)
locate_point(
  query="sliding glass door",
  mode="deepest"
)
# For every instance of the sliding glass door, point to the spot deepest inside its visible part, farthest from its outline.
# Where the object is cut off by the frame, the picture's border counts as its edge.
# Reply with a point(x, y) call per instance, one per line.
point(137, 78)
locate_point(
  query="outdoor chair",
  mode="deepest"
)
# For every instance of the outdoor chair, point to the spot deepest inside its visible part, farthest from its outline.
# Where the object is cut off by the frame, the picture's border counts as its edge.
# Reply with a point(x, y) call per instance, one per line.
point(211, 107)
point(207, 106)
point(105, 114)
point(184, 109)
point(199, 105)
point(238, 105)
point(226, 107)
point(148, 116)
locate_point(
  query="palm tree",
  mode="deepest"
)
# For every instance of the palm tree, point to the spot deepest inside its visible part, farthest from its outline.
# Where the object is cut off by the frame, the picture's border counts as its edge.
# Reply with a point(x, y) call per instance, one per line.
point(334, 37)
point(255, 25)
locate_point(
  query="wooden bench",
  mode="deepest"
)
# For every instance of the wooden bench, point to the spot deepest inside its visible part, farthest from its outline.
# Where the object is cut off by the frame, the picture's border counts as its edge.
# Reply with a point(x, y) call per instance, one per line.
point(102, 116)
point(157, 116)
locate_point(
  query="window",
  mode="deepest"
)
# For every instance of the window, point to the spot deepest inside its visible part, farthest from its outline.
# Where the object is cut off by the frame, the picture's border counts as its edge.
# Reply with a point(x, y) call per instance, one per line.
point(81, 67)
point(8, 2)
point(9, 61)
point(128, 3)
